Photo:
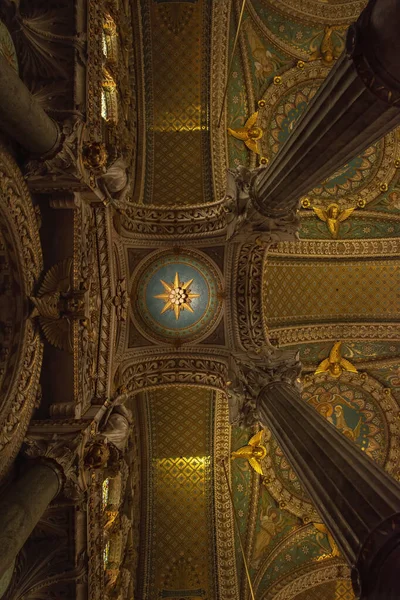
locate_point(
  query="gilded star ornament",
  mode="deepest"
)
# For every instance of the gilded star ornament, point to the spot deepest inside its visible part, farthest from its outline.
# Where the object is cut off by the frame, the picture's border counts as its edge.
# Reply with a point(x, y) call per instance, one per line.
point(177, 296)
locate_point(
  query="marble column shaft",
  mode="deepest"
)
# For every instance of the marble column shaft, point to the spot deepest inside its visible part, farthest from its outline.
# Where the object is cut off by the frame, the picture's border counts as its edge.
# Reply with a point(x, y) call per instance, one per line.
point(22, 505)
point(358, 103)
point(22, 117)
point(356, 499)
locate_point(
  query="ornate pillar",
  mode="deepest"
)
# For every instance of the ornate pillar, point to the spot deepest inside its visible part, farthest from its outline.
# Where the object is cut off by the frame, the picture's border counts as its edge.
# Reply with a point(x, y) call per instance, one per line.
point(24, 501)
point(358, 103)
point(357, 500)
point(22, 505)
point(22, 118)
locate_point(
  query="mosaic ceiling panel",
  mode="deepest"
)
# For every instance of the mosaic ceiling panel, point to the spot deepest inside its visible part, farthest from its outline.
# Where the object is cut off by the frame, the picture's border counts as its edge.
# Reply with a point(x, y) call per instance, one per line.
point(179, 506)
point(303, 292)
point(176, 57)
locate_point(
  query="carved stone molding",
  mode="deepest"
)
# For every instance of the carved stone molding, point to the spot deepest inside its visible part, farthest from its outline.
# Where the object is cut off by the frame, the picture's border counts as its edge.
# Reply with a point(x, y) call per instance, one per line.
point(307, 578)
point(224, 524)
point(157, 368)
point(219, 65)
point(338, 248)
point(93, 339)
point(20, 236)
point(300, 334)
point(157, 223)
point(246, 293)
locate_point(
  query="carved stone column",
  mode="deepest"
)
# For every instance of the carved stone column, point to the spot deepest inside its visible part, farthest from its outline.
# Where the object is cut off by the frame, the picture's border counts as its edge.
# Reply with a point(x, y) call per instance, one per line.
point(357, 500)
point(358, 103)
point(24, 501)
point(22, 118)
point(22, 505)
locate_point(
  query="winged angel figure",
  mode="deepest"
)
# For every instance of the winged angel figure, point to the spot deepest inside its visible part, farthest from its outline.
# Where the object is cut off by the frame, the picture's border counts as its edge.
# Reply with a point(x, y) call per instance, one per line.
point(56, 306)
point(250, 134)
point(333, 216)
point(335, 364)
point(254, 451)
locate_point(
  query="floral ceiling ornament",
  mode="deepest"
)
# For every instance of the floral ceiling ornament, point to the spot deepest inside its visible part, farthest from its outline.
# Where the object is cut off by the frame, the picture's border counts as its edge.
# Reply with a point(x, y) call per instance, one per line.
point(250, 134)
point(322, 528)
point(335, 364)
point(177, 296)
point(333, 216)
point(254, 451)
point(327, 50)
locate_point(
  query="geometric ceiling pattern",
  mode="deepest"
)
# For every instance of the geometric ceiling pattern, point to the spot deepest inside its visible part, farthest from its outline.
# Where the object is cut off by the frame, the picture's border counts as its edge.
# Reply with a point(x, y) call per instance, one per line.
point(176, 76)
point(322, 290)
point(178, 427)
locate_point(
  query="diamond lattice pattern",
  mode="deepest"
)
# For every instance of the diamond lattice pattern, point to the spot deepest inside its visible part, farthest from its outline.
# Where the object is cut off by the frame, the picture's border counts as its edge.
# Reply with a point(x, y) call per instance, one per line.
point(298, 292)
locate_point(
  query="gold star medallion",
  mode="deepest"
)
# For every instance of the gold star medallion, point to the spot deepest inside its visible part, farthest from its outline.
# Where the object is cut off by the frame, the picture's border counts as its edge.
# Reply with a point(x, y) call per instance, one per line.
point(177, 296)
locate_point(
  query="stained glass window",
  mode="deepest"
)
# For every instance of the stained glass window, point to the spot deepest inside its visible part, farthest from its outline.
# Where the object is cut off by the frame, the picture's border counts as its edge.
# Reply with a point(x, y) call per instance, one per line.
point(106, 490)
point(106, 552)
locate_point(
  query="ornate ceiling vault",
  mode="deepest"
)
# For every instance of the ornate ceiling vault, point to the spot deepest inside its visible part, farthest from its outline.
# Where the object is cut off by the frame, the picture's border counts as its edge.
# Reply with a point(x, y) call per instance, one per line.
point(137, 278)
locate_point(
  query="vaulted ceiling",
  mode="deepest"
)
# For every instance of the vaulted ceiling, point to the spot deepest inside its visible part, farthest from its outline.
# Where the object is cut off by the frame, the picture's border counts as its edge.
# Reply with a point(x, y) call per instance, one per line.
point(316, 291)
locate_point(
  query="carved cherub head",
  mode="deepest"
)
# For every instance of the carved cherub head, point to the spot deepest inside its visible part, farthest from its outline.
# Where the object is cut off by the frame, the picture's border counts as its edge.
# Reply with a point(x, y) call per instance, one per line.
point(97, 455)
point(95, 156)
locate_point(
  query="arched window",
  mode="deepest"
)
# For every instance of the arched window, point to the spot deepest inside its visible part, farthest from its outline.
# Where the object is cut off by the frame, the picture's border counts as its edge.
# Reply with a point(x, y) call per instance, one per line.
point(106, 489)
point(109, 94)
point(110, 39)
point(109, 101)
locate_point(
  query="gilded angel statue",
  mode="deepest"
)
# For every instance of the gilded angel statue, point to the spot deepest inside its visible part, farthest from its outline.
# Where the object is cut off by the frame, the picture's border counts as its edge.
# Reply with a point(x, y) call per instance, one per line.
point(335, 364)
point(250, 134)
point(253, 452)
point(333, 216)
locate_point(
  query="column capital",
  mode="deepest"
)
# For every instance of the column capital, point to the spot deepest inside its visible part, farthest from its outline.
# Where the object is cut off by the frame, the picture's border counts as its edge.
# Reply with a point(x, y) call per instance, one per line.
point(60, 453)
point(247, 219)
point(251, 373)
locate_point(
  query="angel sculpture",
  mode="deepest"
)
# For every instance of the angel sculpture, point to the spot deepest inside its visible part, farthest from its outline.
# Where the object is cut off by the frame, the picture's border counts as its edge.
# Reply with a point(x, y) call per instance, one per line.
point(333, 216)
point(115, 183)
point(250, 134)
point(253, 452)
point(57, 305)
point(335, 364)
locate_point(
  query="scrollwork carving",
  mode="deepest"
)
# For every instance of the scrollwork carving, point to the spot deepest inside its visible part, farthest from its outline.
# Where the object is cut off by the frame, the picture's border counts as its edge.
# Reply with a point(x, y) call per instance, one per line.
point(156, 371)
point(248, 293)
point(201, 221)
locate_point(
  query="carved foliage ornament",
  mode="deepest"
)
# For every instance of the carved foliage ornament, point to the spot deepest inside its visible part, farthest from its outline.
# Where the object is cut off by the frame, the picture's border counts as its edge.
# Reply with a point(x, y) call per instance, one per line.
point(247, 289)
point(174, 369)
point(247, 219)
point(200, 221)
point(250, 373)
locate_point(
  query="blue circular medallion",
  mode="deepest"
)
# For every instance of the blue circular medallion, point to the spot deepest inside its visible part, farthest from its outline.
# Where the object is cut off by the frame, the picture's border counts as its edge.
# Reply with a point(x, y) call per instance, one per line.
point(176, 296)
